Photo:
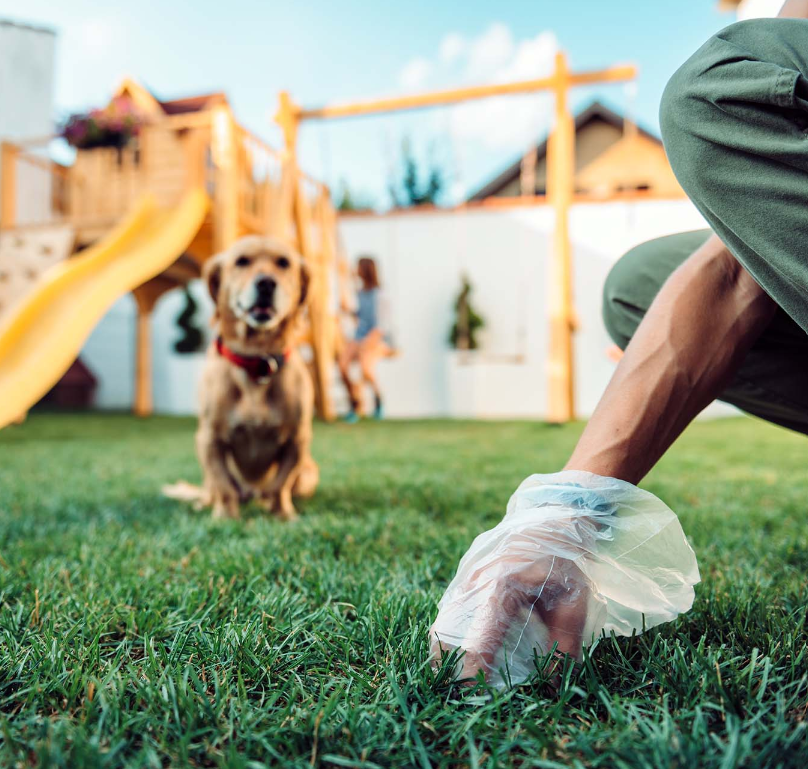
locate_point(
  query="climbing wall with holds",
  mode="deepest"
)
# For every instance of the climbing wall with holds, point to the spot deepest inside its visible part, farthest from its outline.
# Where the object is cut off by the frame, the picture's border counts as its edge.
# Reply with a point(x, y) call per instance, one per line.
point(25, 256)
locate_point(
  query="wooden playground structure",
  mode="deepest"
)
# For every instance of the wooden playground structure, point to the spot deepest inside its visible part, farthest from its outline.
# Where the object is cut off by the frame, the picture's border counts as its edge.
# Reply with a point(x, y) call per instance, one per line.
point(184, 145)
point(196, 143)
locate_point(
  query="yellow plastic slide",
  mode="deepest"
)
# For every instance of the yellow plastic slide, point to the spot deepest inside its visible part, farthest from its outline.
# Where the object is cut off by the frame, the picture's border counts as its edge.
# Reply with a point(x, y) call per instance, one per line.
point(45, 333)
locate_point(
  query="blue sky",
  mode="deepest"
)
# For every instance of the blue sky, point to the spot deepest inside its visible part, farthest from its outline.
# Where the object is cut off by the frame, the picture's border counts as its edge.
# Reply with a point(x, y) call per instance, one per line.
point(326, 51)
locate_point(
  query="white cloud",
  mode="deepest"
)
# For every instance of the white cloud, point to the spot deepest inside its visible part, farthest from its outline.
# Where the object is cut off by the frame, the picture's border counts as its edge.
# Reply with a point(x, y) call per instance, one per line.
point(452, 47)
point(502, 126)
point(509, 122)
point(415, 74)
point(531, 58)
point(491, 50)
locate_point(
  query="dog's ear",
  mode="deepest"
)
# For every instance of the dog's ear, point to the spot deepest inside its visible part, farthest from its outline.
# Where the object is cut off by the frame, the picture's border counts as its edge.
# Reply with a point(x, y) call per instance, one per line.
point(212, 273)
point(305, 280)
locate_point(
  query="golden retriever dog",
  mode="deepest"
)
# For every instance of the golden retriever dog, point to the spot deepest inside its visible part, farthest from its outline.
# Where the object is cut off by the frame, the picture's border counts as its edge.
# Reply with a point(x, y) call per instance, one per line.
point(256, 396)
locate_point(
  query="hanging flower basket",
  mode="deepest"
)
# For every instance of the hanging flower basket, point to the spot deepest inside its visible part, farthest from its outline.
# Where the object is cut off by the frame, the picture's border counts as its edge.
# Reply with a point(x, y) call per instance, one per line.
point(113, 126)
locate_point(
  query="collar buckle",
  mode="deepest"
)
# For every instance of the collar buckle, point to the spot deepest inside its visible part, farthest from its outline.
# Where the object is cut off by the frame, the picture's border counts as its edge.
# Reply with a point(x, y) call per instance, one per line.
point(269, 367)
point(259, 368)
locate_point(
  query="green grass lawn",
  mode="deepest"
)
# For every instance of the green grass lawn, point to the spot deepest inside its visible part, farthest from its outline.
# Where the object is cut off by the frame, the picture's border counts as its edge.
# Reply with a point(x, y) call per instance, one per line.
point(136, 632)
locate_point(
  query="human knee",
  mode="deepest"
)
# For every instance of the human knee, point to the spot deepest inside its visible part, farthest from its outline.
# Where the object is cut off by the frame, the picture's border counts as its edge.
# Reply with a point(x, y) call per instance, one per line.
point(367, 371)
point(682, 112)
point(344, 358)
point(621, 310)
point(740, 64)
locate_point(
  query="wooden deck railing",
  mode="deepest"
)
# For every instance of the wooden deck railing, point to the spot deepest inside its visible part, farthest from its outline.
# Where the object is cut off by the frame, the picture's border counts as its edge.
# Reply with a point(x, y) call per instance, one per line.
point(253, 188)
point(103, 184)
point(259, 180)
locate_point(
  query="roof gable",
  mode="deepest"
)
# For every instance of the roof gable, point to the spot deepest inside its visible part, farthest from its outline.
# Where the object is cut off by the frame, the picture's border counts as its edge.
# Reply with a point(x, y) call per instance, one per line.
point(193, 103)
point(140, 96)
point(150, 105)
point(595, 112)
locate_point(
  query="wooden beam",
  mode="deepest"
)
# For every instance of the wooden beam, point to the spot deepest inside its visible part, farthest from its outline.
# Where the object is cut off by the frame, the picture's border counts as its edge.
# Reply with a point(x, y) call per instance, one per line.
point(146, 297)
point(46, 164)
point(561, 176)
point(193, 146)
point(320, 318)
point(288, 118)
point(281, 215)
point(36, 141)
point(143, 405)
point(292, 200)
point(225, 198)
point(9, 154)
point(457, 95)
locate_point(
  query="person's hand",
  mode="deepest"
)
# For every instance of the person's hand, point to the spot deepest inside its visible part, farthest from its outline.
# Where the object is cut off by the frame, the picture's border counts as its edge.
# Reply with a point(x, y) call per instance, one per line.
point(535, 605)
point(575, 554)
point(527, 595)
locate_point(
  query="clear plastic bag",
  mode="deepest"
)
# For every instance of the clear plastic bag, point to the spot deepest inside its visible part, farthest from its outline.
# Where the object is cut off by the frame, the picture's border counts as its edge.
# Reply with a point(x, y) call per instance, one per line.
point(576, 554)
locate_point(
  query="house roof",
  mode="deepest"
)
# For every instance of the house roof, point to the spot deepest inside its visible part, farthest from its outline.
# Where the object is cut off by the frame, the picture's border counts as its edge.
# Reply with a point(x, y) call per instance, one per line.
point(150, 104)
point(193, 103)
point(29, 27)
point(595, 111)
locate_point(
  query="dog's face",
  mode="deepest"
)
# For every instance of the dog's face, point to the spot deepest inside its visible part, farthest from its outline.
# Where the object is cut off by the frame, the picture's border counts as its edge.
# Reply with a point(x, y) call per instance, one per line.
point(259, 286)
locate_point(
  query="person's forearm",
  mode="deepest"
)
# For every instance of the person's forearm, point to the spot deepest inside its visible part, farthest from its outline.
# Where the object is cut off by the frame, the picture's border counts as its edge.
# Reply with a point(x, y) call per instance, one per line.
point(685, 351)
point(794, 9)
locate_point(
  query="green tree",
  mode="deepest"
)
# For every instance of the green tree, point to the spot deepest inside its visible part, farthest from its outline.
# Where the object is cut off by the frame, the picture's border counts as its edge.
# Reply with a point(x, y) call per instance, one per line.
point(347, 200)
point(410, 189)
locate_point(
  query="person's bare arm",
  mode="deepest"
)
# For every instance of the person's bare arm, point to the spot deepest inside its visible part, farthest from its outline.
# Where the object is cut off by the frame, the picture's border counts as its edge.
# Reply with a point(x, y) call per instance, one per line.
point(694, 337)
point(794, 9)
point(690, 343)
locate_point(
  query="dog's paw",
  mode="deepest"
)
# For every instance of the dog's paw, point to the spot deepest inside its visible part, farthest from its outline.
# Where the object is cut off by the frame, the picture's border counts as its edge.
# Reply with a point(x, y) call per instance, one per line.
point(307, 480)
point(225, 504)
point(288, 515)
point(277, 505)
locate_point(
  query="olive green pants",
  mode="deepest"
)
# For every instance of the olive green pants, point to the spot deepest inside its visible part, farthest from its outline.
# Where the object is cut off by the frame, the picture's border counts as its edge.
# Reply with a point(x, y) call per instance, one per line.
point(772, 382)
point(734, 121)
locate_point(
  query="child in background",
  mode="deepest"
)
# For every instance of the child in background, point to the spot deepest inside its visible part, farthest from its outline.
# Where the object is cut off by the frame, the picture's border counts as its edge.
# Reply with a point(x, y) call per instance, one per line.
point(368, 344)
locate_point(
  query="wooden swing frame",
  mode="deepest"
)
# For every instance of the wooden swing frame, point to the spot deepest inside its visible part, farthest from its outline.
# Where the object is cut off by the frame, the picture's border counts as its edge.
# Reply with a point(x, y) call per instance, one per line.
point(561, 190)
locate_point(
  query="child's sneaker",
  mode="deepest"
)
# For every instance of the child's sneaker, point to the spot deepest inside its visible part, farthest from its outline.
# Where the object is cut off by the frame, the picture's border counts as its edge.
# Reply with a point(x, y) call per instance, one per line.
point(351, 417)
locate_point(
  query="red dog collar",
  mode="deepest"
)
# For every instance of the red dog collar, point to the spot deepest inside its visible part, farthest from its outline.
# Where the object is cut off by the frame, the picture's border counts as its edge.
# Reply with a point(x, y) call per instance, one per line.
point(258, 367)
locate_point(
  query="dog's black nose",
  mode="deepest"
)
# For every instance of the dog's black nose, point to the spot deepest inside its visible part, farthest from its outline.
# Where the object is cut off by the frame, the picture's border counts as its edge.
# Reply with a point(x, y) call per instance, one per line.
point(265, 286)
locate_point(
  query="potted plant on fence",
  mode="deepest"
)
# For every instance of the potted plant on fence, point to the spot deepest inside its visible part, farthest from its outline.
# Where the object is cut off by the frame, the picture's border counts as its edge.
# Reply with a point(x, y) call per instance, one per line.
point(180, 372)
point(113, 126)
point(193, 338)
point(467, 322)
point(463, 380)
